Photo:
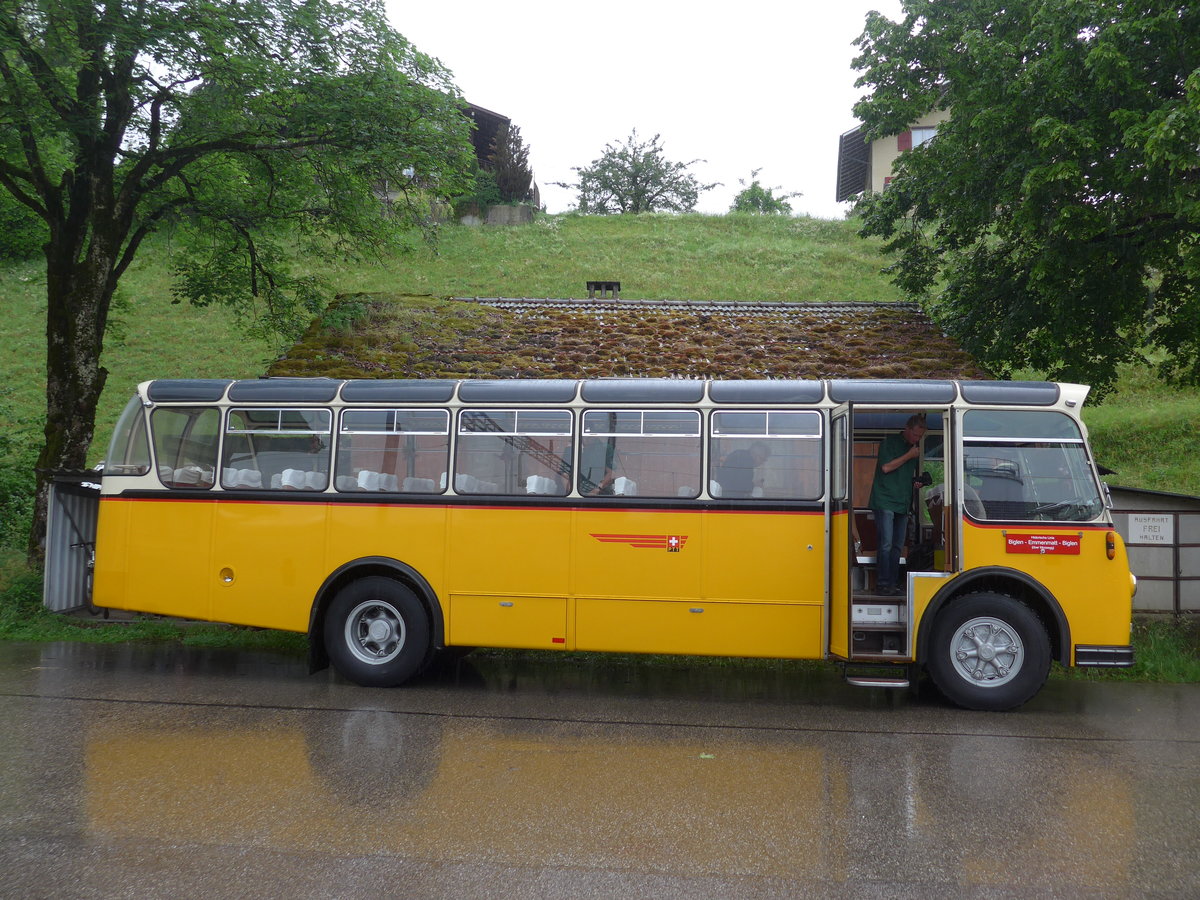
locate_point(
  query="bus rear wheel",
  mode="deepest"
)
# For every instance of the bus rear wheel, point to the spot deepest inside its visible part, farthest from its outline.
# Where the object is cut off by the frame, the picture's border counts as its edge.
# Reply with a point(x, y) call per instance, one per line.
point(376, 632)
point(989, 651)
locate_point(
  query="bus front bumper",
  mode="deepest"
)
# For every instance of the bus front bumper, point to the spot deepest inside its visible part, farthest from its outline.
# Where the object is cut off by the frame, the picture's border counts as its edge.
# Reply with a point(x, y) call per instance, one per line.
point(1106, 657)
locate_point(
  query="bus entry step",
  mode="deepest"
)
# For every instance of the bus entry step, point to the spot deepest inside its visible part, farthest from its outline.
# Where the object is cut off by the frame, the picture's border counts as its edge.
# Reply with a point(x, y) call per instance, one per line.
point(875, 678)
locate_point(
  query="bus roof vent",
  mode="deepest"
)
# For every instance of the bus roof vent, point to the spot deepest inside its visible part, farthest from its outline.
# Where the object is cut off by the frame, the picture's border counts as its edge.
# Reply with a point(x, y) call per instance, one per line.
point(1020, 393)
point(280, 390)
point(781, 391)
point(891, 392)
point(409, 390)
point(539, 390)
point(643, 390)
point(187, 390)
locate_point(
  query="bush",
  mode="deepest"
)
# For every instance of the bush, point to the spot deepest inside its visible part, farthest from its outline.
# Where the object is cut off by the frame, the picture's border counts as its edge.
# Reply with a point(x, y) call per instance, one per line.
point(20, 597)
point(18, 456)
point(486, 194)
point(22, 232)
point(16, 502)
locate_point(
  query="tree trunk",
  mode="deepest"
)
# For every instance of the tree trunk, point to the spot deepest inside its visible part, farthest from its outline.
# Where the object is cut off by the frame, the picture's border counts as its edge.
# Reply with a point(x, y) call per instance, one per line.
point(78, 297)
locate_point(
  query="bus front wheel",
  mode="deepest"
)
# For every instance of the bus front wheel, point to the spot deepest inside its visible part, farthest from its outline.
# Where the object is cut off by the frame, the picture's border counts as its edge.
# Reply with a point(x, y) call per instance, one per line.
point(376, 632)
point(989, 651)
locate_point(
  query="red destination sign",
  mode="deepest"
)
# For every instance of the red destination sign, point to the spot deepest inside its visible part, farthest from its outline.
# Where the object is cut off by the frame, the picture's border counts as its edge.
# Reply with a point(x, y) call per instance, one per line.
point(1044, 544)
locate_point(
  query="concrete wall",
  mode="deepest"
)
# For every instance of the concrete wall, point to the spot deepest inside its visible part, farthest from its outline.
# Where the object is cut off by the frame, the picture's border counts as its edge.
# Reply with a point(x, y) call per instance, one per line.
point(501, 215)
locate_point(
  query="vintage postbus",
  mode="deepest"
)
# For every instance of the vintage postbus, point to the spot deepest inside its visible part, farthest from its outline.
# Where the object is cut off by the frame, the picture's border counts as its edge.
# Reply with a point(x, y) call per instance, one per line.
point(389, 520)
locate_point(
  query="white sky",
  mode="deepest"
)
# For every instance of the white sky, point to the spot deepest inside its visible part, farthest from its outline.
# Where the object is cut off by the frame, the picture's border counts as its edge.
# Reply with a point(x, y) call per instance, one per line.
point(757, 84)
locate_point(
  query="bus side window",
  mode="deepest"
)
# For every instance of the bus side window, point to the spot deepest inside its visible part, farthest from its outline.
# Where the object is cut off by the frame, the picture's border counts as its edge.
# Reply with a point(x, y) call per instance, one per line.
point(129, 449)
point(401, 450)
point(185, 445)
point(776, 455)
point(504, 451)
point(650, 453)
point(279, 449)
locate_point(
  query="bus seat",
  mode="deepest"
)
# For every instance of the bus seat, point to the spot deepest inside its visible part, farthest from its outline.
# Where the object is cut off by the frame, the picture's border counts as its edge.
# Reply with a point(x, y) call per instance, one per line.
point(346, 483)
point(539, 484)
point(314, 481)
point(714, 489)
point(442, 482)
point(865, 523)
point(291, 480)
point(685, 491)
point(389, 483)
point(624, 487)
point(368, 480)
point(235, 477)
point(415, 485)
point(756, 491)
point(466, 483)
point(189, 475)
point(276, 482)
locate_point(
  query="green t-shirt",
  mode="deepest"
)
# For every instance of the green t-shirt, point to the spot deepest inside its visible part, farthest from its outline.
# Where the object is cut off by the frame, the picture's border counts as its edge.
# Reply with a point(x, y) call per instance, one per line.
point(893, 490)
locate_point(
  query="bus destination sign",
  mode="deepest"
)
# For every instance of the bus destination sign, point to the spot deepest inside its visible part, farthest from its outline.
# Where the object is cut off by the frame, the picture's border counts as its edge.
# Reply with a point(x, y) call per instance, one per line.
point(1045, 544)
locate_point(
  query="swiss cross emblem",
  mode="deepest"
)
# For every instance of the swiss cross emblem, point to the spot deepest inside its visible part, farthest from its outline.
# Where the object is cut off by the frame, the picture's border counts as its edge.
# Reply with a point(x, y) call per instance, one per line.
point(673, 542)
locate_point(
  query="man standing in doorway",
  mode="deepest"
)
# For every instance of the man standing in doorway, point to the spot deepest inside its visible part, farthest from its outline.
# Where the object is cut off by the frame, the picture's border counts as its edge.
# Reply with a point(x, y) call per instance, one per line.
point(891, 499)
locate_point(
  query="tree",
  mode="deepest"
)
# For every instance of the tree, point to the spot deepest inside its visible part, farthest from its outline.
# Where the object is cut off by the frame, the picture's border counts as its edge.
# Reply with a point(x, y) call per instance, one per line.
point(251, 129)
point(636, 177)
point(509, 165)
point(1054, 220)
point(757, 199)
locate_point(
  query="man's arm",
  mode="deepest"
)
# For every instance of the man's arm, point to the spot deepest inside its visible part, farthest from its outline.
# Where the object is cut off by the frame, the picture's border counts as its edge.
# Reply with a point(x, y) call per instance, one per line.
point(913, 452)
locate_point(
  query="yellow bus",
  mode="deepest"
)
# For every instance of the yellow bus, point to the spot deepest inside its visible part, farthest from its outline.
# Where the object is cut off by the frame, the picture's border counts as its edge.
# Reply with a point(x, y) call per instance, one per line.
point(390, 519)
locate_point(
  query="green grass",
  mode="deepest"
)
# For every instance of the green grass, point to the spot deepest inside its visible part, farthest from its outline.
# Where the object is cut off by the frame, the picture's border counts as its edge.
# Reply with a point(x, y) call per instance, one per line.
point(150, 338)
point(1148, 434)
point(658, 257)
point(1166, 650)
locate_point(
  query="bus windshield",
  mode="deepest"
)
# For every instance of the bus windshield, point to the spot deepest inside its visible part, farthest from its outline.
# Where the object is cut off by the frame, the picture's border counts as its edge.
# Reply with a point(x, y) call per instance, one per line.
point(1027, 466)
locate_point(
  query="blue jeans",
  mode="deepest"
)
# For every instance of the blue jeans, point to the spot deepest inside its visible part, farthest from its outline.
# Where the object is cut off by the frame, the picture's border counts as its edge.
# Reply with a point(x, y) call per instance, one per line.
point(891, 528)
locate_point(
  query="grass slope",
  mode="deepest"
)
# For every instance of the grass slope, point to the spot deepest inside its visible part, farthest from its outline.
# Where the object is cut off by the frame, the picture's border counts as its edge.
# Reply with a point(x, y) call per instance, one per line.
point(655, 257)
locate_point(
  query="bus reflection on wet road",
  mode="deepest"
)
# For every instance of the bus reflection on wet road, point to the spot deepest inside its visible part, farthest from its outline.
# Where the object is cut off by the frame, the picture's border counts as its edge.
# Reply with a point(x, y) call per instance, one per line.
point(174, 772)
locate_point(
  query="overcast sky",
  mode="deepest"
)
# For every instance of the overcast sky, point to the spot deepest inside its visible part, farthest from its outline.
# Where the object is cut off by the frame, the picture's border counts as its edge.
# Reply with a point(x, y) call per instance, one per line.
point(757, 84)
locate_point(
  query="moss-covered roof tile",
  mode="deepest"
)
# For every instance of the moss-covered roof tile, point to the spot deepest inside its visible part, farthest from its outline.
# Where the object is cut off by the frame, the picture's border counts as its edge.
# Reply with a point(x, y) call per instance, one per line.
point(407, 336)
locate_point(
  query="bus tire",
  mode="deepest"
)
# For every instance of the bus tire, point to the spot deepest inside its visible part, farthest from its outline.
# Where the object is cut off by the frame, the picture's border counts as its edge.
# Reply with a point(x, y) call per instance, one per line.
point(988, 651)
point(377, 632)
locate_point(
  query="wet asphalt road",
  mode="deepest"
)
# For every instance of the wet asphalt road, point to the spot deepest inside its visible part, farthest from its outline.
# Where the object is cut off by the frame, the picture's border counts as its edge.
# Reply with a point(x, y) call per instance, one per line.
point(137, 771)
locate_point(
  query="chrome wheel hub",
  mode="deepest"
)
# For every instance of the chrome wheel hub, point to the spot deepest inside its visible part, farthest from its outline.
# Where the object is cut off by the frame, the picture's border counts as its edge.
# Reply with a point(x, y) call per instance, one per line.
point(987, 652)
point(375, 632)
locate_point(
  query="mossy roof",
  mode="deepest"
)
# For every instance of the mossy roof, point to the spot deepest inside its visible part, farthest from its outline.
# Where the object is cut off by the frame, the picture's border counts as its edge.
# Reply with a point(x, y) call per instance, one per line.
point(408, 336)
